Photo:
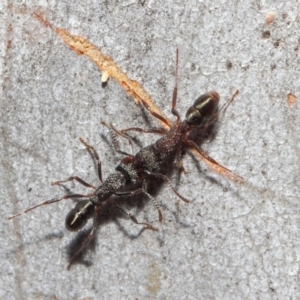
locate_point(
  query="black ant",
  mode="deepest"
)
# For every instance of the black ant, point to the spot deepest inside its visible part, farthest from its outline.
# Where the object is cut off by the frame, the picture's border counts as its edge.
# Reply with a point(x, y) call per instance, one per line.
point(137, 170)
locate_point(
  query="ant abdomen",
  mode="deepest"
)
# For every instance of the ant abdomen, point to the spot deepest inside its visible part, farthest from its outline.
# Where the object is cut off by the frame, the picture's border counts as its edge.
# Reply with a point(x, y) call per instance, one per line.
point(79, 215)
point(203, 109)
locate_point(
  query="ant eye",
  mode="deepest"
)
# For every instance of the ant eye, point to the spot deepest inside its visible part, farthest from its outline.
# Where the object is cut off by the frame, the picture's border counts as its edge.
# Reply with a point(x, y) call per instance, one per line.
point(78, 216)
point(205, 105)
point(203, 109)
point(193, 116)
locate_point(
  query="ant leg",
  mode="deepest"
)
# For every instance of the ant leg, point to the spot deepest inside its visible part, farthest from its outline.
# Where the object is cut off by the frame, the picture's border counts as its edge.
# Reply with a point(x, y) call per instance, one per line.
point(50, 202)
point(164, 177)
point(89, 237)
point(113, 131)
point(129, 193)
point(214, 164)
point(74, 178)
point(95, 155)
point(152, 130)
point(177, 161)
point(144, 188)
point(156, 115)
point(124, 135)
point(132, 217)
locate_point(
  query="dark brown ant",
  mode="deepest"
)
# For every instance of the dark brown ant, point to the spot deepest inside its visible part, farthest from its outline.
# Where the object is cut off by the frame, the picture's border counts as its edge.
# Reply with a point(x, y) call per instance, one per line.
point(137, 170)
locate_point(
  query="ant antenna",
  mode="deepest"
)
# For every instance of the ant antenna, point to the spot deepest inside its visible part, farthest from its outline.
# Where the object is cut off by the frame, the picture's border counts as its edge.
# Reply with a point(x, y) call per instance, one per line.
point(54, 200)
point(226, 104)
point(223, 108)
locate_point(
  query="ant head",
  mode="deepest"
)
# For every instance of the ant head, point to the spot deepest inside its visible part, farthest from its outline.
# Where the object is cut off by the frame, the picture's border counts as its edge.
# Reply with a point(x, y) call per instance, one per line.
point(203, 109)
point(79, 215)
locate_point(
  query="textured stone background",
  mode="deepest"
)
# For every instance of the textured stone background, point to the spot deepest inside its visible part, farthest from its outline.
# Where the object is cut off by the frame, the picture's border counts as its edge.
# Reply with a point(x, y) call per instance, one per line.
point(233, 241)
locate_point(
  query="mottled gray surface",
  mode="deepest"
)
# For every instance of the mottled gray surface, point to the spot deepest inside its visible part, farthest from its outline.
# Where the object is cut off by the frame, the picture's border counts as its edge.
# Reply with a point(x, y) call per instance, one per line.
point(233, 241)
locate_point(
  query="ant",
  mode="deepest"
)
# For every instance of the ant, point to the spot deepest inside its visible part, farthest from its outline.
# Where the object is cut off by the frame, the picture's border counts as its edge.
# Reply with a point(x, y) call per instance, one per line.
point(135, 171)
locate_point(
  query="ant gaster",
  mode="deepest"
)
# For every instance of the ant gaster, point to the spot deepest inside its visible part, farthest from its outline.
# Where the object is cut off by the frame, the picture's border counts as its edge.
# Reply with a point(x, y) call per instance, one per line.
point(137, 170)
